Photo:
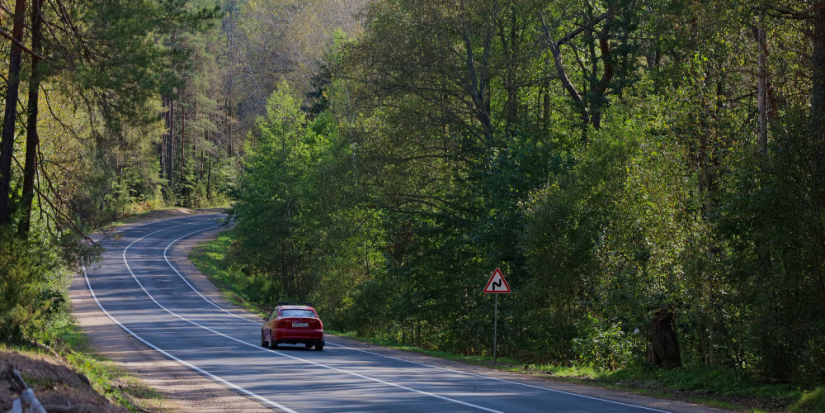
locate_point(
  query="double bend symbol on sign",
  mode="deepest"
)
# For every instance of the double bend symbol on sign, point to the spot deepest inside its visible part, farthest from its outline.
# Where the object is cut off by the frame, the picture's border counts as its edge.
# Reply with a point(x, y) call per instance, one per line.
point(497, 284)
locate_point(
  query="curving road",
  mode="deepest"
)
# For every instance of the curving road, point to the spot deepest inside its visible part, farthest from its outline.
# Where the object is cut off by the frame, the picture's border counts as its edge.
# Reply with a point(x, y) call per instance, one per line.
point(137, 286)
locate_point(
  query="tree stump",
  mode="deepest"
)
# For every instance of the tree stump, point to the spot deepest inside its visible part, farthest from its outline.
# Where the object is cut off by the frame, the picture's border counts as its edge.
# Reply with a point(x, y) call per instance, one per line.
point(664, 348)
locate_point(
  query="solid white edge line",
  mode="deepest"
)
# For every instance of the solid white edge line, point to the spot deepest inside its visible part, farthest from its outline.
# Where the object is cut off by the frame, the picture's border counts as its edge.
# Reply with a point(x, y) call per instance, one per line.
point(125, 261)
point(401, 359)
point(152, 346)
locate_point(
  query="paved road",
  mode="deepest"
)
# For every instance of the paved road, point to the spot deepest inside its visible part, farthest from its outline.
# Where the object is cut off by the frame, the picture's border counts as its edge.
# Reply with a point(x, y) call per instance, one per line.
point(137, 286)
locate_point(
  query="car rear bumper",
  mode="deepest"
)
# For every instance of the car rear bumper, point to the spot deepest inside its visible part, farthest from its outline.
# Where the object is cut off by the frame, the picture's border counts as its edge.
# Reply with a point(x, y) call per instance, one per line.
point(299, 337)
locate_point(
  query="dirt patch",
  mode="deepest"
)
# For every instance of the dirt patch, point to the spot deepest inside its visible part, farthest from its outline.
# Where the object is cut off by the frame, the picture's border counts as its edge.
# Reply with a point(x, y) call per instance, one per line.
point(54, 383)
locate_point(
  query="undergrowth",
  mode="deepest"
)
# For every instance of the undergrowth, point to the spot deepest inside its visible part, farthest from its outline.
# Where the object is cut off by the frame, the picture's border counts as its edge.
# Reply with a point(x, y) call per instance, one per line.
point(813, 401)
point(699, 384)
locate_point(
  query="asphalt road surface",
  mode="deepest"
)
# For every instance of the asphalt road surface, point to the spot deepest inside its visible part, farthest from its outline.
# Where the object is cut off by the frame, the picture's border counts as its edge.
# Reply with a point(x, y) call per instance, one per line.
point(138, 288)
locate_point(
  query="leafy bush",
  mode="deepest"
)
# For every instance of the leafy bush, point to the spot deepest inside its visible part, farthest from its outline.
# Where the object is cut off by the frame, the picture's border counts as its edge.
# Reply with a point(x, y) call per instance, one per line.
point(29, 287)
point(604, 345)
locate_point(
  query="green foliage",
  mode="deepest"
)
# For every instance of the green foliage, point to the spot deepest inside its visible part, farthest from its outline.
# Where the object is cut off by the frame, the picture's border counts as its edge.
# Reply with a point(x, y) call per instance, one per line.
point(770, 216)
point(217, 260)
point(605, 347)
point(813, 401)
point(273, 201)
point(32, 288)
point(440, 145)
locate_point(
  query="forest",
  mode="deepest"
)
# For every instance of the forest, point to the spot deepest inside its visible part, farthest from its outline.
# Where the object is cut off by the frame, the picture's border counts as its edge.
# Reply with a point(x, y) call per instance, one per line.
point(649, 175)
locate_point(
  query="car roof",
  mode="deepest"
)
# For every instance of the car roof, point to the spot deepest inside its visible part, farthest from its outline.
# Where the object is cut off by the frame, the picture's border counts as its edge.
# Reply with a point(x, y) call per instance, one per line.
point(295, 307)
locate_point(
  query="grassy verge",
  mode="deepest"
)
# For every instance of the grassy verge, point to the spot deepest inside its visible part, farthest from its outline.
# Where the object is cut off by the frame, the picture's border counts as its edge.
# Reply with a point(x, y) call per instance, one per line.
point(727, 389)
point(113, 383)
point(211, 259)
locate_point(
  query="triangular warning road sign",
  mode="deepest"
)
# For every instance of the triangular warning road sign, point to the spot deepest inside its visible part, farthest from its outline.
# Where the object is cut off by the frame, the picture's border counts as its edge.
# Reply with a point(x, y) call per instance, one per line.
point(497, 284)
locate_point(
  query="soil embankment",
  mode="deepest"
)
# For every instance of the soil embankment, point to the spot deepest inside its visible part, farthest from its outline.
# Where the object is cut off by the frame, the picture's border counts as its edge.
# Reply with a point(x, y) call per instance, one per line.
point(54, 382)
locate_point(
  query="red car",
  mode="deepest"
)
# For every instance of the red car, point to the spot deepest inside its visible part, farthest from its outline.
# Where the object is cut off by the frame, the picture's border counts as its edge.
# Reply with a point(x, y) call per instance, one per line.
point(293, 323)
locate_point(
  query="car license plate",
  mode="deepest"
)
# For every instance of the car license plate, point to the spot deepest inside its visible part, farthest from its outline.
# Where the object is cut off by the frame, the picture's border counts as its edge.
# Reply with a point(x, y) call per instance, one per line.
point(300, 325)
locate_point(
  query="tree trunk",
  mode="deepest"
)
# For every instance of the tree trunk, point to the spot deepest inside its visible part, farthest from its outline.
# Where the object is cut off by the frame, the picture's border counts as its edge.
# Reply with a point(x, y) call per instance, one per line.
point(818, 84)
point(162, 149)
point(664, 349)
point(182, 138)
point(170, 146)
point(591, 115)
point(12, 91)
point(229, 127)
point(600, 88)
point(762, 87)
point(209, 181)
point(32, 139)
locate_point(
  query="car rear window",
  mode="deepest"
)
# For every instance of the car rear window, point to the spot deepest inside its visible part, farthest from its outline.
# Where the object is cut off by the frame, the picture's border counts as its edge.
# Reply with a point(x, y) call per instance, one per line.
point(297, 313)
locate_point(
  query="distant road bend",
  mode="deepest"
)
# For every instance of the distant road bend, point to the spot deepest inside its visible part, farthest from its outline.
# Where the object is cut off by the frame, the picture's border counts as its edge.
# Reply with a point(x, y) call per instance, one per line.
point(139, 289)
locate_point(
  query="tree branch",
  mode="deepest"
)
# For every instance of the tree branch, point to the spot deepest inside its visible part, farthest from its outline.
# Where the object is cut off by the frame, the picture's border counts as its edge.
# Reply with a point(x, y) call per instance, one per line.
point(21, 45)
point(581, 29)
point(571, 89)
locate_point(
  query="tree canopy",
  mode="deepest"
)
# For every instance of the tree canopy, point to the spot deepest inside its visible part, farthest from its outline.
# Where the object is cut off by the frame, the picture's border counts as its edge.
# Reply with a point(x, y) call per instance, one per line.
point(648, 174)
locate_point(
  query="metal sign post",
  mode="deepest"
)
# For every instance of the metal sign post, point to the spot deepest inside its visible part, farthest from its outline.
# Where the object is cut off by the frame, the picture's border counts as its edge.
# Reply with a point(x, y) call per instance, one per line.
point(495, 331)
point(496, 285)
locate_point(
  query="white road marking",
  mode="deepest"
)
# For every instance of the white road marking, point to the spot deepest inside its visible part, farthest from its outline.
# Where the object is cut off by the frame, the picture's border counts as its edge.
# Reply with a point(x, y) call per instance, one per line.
point(502, 380)
point(396, 358)
point(255, 346)
point(206, 373)
point(190, 285)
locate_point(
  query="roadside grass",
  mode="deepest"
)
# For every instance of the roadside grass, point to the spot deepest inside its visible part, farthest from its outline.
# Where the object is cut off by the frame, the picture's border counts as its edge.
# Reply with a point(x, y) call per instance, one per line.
point(813, 401)
point(211, 258)
point(720, 387)
point(104, 376)
point(717, 387)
